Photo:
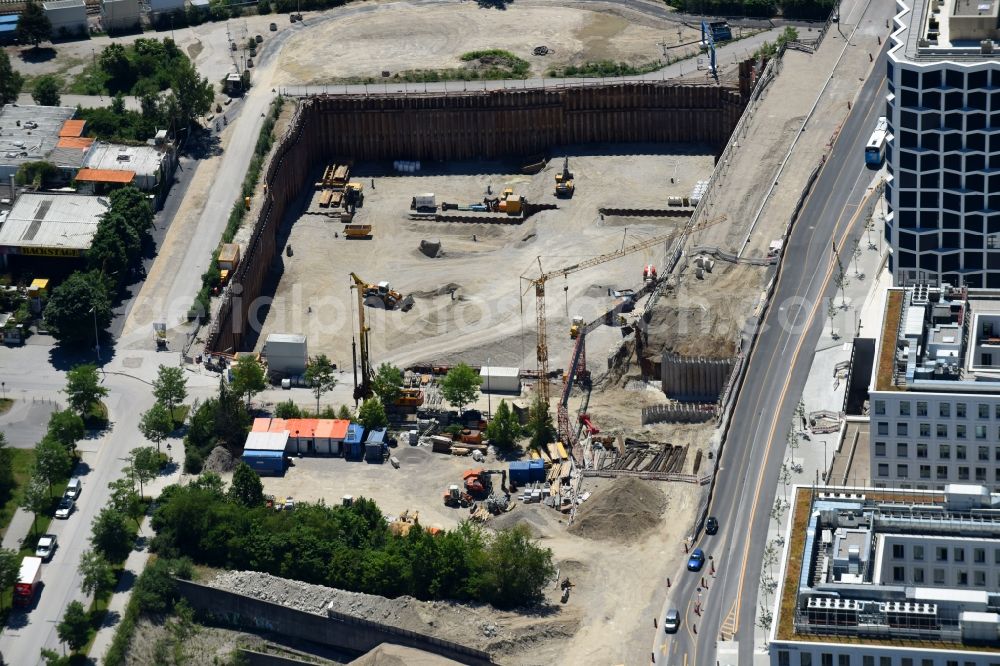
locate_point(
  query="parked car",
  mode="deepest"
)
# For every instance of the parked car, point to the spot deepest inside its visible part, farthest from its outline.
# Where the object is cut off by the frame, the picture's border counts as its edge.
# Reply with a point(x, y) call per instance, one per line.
point(66, 506)
point(73, 488)
point(697, 560)
point(46, 547)
point(711, 525)
point(274, 27)
point(672, 622)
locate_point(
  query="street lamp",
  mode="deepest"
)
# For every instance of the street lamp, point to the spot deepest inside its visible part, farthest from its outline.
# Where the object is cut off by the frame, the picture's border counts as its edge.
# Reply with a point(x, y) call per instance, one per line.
point(489, 398)
point(97, 340)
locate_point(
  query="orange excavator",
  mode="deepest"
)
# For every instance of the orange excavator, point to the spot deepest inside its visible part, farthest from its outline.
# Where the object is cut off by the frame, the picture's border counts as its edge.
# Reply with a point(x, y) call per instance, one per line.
point(478, 481)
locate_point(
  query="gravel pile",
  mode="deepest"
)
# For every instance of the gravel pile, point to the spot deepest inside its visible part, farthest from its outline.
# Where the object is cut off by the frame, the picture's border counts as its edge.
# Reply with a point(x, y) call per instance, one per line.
point(220, 460)
point(624, 510)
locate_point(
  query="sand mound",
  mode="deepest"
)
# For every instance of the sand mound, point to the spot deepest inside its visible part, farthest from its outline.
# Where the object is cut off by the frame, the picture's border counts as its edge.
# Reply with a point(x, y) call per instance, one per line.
point(397, 655)
point(624, 510)
point(220, 460)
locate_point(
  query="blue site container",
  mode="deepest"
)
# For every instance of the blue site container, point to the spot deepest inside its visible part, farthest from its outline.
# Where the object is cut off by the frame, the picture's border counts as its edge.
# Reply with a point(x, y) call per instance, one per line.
point(520, 473)
point(265, 463)
point(353, 447)
point(536, 470)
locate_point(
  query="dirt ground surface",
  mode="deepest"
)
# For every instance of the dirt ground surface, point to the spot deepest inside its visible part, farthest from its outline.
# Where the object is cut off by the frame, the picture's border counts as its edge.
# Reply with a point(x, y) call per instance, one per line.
point(433, 37)
point(481, 263)
point(203, 646)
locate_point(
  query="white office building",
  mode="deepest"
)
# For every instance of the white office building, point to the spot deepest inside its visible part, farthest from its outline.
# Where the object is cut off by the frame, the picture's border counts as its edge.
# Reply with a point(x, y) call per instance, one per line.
point(934, 402)
point(943, 151)
point(889, 578)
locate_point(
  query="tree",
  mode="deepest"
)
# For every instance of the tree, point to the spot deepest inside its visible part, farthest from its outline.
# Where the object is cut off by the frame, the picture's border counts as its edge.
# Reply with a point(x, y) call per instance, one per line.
point(34, 26)
point(97, 574)
point(194, 94)
point(831, 314)
point(372, 414)
point(133, 205)
point(6, 469)
point(387, 382)
point(344, 413)
point(247, 488)
point(10, 568)
point(319, 376)
point(46, 91)
point(170, 386)
point(11, 80)
point(540, 424)
point(66, 427)
point(75, 301)
point(74, 630)
point(461, 386)
point(841, 278)
point(83, 388)
point(144, 463)
point(35, 499)
point(248, 378)
point(518, 569)
point(110, 536)
point(125, 499)
point(156, 424)
point(504, 429)
point(856, 255)
point(287, 410)
point(52, 461)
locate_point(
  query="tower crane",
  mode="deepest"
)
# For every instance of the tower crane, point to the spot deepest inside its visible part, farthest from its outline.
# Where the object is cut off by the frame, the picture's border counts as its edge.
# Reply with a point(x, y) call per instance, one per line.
point(538, 283)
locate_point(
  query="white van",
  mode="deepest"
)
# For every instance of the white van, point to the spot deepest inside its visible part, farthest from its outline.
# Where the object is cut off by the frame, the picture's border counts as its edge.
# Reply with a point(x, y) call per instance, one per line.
point(73, 488)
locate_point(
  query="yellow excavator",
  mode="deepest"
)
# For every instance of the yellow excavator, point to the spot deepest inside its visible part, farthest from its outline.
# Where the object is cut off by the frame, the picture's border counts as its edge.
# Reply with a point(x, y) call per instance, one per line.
point(564, 181)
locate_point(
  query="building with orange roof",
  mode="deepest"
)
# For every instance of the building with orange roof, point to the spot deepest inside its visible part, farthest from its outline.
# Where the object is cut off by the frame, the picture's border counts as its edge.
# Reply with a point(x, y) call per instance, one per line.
point(306, 436)
point(149, 165)
point(72, 129)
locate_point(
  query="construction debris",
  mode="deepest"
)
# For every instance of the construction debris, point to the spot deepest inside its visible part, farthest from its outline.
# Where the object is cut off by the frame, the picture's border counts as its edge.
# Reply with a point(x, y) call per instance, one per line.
point(624, 510)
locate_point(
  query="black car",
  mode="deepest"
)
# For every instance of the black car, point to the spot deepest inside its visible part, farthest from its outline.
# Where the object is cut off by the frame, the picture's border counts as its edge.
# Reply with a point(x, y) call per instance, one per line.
point(711, 525)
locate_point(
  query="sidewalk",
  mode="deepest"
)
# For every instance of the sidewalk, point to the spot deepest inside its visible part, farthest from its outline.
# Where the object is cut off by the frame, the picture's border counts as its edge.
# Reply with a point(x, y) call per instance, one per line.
point(139, 556)
point(859, 312)
point(20, 525)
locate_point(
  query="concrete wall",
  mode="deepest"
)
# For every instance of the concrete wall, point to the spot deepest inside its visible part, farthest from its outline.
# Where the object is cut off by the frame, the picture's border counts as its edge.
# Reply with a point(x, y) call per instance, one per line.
point(691, 379)
point(338, 630)
point(492, 124)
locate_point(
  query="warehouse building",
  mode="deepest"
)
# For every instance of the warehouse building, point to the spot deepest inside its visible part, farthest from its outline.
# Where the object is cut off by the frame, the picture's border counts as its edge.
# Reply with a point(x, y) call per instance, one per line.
point(935, 407)
point(120, 15)
point(50, 225)
point(29, 133)
point(68, 18)
point(889, 578)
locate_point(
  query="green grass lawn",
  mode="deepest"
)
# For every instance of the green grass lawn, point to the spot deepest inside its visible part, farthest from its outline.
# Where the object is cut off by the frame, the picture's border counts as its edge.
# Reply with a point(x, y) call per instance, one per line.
point(97, 417)
point(5, 405)
point(22, 459)
point(179, 415)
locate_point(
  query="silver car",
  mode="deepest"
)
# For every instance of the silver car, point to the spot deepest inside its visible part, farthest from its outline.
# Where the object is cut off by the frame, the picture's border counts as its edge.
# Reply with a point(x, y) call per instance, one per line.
point(672, 622)
point(46, 547)
point(66, 506)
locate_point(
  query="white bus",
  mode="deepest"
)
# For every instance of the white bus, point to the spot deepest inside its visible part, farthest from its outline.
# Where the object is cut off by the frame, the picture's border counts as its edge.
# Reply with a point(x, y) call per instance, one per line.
point(875, 148)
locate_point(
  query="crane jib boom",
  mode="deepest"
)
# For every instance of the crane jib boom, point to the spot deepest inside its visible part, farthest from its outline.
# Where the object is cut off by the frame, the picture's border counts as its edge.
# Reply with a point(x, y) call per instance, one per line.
point(539, 282)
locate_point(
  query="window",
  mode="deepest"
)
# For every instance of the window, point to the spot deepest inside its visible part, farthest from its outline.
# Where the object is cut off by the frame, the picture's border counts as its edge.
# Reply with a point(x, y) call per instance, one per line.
point(942, 472)
point(905, 661)
point(879, 408)
point(898, 574)
point(902, 430)
point(918, 575)
point(939, 576)
point(944, 451)
point(805, 659)
point(880, 449)
point(867, 661)
point(902, 450)
point(918, 553)
point(826, 659)
point(960, 452)
point(944, 410)
point(942, 554)
point(960, 431)
point(883, 469)
point(980, 474)
point(942, 429)
point(925, 471)
point(979, 578)
point(980, 432)
point(960, 410)
point(959, 554)
point(925, 429)
point(898, 551)
point(885, 661)
point(963, 473)
point(904, 408)
point(996, 556)
point(979, 555)
point(902, 471)
point(963, 578)
point(984, 453)
point(883, 428)
point(844, 660)
point(783, 658)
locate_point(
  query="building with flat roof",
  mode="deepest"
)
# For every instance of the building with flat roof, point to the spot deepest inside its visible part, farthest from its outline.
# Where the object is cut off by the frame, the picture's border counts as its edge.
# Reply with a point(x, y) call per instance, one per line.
point(943, 146)
point(29, 133)
point(68, 17)
point(148, 165)
point(889, 578)
point(51, 225)
point(120, 15)
point(322, 436)
point(935, 394)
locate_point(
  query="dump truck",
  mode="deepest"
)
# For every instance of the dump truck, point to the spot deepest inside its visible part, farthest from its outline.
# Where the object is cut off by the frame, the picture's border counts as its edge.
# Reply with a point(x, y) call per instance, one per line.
point(229, 259)
point(27, 581)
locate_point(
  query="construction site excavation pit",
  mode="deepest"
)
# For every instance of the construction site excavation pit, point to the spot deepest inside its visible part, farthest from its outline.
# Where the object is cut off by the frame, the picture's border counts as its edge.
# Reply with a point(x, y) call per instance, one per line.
point(463, 274)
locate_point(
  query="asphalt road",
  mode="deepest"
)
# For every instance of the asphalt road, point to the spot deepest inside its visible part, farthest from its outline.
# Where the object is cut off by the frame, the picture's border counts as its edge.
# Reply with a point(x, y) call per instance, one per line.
point(747, 480)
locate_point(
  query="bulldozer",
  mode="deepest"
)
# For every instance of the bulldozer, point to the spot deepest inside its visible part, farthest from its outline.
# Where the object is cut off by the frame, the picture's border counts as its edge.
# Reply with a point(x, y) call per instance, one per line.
point(455, 498)
point(564, 181)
